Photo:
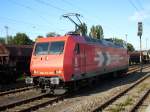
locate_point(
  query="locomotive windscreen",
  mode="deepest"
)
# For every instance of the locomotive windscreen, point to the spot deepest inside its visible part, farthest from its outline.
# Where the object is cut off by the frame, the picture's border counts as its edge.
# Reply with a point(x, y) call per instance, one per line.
point(56, 47)
point(41, 48)
point(49, 48)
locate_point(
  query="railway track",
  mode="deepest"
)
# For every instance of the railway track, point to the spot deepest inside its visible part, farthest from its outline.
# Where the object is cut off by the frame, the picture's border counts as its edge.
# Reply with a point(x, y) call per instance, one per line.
point(14, 85)
point(139, 104)
point(127, 100)
point(137, 68)
point(28, 104)
point(41, 103)
point(17, 90)
point(143, 104)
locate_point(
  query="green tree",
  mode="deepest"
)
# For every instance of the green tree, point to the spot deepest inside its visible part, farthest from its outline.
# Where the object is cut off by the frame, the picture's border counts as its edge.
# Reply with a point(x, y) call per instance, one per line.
point(22, 39)
point(10, 40)
point(82, 29)
point(96, 32)
point(52, 34)
point(118, 41)
point(130, 47)
point(39, 36)
point(2, 40)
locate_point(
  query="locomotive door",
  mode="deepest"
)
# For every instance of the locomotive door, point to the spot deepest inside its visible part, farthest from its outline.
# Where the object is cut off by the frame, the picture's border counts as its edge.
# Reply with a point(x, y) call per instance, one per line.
point(79, 60)
point(82, 59)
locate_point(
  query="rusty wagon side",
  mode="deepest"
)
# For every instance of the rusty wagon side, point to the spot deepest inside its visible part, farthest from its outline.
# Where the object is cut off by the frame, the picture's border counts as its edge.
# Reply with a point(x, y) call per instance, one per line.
point(14, 61)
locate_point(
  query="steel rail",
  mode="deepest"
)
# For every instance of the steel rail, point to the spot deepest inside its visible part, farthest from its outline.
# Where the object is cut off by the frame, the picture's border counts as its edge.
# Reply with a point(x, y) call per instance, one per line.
point(40, 105)
point(139, 102)
point(16, 90)
point(112, 99)
point(22, 101)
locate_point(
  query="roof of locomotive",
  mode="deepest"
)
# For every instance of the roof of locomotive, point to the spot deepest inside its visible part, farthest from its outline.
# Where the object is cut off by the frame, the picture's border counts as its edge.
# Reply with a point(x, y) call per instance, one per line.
point(61, 38)
point(15, 50)
point(83, 39)
point(104, 42)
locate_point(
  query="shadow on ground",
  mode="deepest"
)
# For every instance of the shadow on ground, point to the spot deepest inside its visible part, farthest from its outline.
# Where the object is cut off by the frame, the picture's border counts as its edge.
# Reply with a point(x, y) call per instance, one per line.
point(109, 82)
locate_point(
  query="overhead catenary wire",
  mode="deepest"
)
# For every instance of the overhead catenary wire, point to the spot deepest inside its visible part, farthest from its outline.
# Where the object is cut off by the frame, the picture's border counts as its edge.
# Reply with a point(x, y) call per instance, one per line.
point(133, 5)
point(41, 26)
point(23, 22)
point(138, 9)
point(38, 27)
point(75, 6)
point(142, 9)
point(140, 4)
point(50, 5)
point(28, 8)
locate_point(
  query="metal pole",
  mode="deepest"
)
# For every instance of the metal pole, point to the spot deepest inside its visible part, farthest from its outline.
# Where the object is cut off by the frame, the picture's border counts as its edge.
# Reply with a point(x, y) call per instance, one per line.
point(126, 39)
point(140, 54)
point(6, 40)
point(1, 32)
point(146, 43)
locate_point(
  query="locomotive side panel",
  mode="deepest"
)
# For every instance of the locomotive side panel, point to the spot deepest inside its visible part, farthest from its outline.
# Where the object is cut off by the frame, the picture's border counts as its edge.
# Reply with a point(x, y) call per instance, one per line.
point(102, 59)
point(97, 60)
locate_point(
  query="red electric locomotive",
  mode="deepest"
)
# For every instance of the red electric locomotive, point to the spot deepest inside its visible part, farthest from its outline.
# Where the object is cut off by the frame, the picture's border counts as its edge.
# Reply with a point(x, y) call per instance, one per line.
point(60, 61)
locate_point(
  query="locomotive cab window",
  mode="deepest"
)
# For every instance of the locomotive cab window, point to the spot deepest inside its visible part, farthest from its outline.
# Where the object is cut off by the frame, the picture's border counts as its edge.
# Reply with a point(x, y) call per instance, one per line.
point(49, 48)
point(56, 47)
point(77, 49)
point(41, 48)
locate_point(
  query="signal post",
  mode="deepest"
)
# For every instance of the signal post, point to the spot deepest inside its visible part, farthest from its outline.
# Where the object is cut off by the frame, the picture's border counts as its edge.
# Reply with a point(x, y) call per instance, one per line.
point(140, 30)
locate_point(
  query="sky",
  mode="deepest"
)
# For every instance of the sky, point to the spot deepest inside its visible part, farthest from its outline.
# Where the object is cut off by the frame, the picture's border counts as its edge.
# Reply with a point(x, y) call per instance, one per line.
point(38, 17)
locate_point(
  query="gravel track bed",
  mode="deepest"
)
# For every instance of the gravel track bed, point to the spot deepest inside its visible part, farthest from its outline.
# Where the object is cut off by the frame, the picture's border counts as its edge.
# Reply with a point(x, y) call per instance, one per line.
point(85, 102)
point(146, 70)
point(144, 105)
point(15, 85)
point(77, 104)
point(125, 103)
point(18, 96)
point(24, 106)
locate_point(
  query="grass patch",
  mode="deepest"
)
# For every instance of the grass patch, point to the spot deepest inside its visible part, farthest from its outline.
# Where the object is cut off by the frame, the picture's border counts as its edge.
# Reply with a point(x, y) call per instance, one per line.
point(121, 106)
point(143, 87)
point(20, 77)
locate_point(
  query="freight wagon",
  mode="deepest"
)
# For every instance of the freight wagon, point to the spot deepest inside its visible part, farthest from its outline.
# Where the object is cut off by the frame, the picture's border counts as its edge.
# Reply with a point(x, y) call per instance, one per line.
point(134, 57)
point(14, 61)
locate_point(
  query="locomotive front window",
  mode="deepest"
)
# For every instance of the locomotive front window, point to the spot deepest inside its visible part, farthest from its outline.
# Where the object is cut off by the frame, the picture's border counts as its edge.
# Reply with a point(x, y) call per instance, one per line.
point(56, 47)
point(41, 48)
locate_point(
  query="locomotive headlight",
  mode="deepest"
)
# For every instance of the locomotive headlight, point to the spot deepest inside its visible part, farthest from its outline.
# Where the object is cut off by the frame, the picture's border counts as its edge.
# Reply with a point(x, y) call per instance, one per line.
point(58, 72)
point(35, 72)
